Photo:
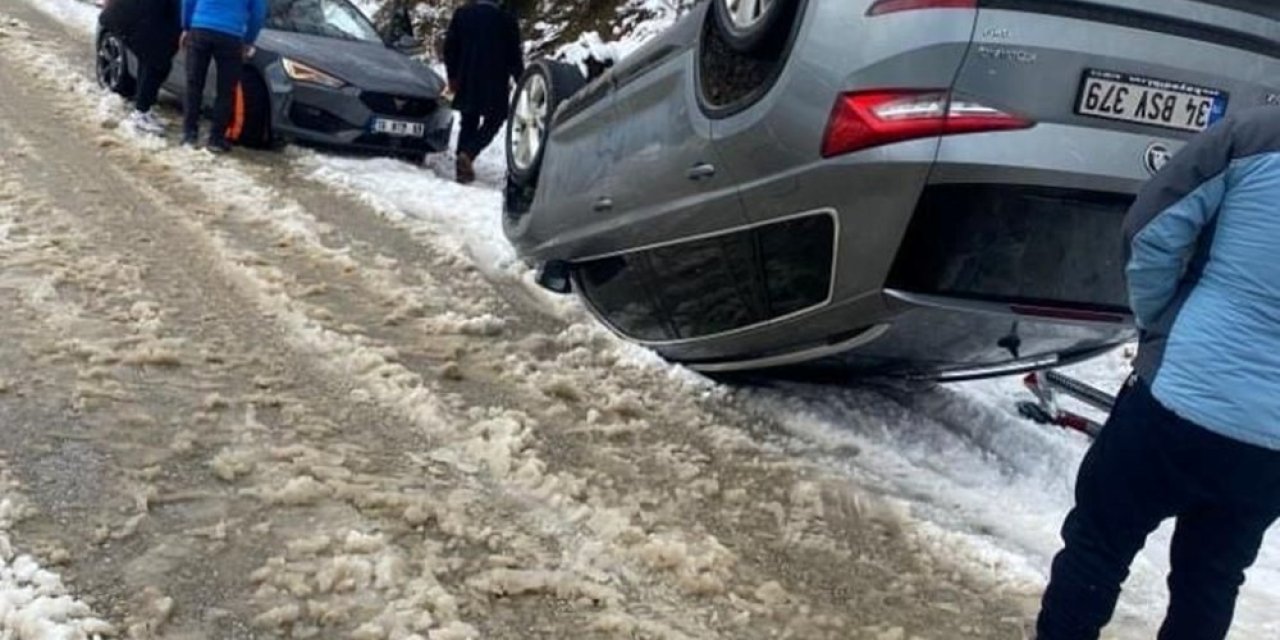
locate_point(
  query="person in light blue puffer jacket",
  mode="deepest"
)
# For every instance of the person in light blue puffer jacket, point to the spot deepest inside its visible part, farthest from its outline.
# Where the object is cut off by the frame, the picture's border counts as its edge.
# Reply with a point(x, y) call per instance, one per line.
point(221, 31)
point(1195, 434)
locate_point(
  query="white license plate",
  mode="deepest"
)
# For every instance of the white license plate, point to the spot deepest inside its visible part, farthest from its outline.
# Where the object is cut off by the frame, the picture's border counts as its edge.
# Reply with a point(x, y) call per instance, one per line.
point(1141, 100)
point(399, 128)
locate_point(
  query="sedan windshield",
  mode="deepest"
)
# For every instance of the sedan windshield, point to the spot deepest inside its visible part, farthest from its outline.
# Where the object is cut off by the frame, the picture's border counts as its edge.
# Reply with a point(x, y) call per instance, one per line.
point(328, 18)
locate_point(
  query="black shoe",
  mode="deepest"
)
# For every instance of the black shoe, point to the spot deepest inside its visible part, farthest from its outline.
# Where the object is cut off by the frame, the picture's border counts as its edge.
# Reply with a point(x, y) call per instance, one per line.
point(464, 168)
point(189, 138)
point(218, 146)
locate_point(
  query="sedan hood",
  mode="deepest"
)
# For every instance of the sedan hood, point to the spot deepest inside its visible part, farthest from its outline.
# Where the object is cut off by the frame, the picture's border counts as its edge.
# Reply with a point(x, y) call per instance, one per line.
point(368, 65)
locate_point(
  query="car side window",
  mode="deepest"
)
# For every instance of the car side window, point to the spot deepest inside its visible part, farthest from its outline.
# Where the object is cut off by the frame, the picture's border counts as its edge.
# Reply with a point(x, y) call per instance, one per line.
point(714, 285)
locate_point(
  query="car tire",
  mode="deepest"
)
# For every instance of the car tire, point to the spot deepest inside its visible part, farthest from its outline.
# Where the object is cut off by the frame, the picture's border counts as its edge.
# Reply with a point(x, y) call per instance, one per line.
point(255, 129)
point(543, 87)
point(756, 28)
point(112, 65)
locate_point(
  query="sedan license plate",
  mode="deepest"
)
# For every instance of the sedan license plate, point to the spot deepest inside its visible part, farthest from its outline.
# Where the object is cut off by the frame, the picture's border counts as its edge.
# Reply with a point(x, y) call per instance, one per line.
point(399, 128)
point(1142, 100)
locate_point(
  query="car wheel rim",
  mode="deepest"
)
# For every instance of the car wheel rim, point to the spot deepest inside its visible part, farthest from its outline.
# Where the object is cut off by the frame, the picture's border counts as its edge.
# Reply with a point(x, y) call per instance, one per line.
point(745, 14)
point(110, 62)
point(529, 122)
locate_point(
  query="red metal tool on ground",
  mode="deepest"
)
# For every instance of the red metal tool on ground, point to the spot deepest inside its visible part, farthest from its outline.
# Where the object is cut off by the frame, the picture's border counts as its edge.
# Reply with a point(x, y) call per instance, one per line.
point(1047, 386)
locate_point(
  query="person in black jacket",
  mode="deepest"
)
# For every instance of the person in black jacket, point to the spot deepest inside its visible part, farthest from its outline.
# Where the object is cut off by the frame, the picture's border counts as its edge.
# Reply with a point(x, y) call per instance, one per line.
point(482, 54)
point(150, 29)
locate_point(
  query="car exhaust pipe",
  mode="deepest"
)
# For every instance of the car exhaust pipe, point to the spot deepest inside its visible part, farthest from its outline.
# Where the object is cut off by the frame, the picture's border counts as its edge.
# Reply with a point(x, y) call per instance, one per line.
point(555, 276)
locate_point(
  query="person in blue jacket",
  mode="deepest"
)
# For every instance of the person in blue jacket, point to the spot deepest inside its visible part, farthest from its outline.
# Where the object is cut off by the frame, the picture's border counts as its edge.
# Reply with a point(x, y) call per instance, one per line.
point(221, 31)
point(1195, 434)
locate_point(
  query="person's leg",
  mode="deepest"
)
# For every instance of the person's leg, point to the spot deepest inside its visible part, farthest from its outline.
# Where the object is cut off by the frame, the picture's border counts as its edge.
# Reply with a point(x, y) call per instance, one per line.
point(468, 130)
point(229, 56)
point(468, 137)
point(199, 54)
point(1124, 490)
point(488, 131)
point(1218, 537)
point(151, 74)
point(1212, 547)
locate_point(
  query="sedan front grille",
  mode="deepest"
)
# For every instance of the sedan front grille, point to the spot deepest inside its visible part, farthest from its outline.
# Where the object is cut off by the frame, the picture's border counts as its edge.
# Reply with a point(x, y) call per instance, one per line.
point(316, 119)
point(387, 104)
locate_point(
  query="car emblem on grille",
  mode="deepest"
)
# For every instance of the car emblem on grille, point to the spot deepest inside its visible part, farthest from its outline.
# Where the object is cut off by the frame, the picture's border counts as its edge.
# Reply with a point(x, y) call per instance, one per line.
point(400, 103)
point(1156, 157)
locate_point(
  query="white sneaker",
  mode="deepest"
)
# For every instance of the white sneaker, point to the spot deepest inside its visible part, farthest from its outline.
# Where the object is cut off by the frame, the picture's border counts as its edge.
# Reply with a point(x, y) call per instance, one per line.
point(145, 123)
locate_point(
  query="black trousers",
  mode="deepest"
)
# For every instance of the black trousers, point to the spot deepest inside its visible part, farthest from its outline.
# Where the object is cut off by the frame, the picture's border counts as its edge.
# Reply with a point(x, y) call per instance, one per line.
point(477, 130)
point(151, 74)
point(1149, 465)
point(227, 52)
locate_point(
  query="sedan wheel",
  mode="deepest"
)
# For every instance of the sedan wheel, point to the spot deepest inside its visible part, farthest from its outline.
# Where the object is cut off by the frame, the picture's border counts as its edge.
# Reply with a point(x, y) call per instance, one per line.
point(529, 123)
point(112, 65)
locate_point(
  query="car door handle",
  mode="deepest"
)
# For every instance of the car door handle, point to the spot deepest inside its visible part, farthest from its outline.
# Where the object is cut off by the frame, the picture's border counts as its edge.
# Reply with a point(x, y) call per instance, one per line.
point(701, 171)
point(604, 204)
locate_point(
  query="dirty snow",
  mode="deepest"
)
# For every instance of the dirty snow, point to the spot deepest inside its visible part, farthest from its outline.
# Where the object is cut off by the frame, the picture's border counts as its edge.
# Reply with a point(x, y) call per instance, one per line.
point(76, 14)
point(469, 439)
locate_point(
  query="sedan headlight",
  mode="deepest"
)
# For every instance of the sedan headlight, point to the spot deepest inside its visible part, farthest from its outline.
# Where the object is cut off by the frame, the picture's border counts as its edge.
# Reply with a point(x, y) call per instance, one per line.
point(306, 73)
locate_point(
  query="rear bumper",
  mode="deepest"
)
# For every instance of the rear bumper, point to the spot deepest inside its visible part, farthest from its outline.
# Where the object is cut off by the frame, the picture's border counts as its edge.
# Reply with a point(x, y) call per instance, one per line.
point(342, 118)
point(930, 339)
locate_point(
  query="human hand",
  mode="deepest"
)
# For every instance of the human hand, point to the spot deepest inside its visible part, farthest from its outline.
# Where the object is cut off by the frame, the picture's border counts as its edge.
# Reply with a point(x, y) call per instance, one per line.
point(249, 50)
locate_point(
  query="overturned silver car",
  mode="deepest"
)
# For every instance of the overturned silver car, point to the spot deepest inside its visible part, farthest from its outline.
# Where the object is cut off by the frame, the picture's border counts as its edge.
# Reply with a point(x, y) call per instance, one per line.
point(928, 188)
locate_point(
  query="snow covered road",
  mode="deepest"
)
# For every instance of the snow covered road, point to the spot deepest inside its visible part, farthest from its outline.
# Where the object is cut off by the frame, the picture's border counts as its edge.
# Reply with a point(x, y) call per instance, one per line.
point(317, 397)
point(243, 403)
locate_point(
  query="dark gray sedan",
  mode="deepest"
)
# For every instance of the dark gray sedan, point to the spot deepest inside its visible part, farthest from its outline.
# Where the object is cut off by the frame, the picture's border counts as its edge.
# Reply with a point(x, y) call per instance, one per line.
point(321, 75)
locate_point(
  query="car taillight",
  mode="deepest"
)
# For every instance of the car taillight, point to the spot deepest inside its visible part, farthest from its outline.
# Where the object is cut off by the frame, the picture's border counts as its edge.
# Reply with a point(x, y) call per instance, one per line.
point(894, 6)
point(866, 119)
